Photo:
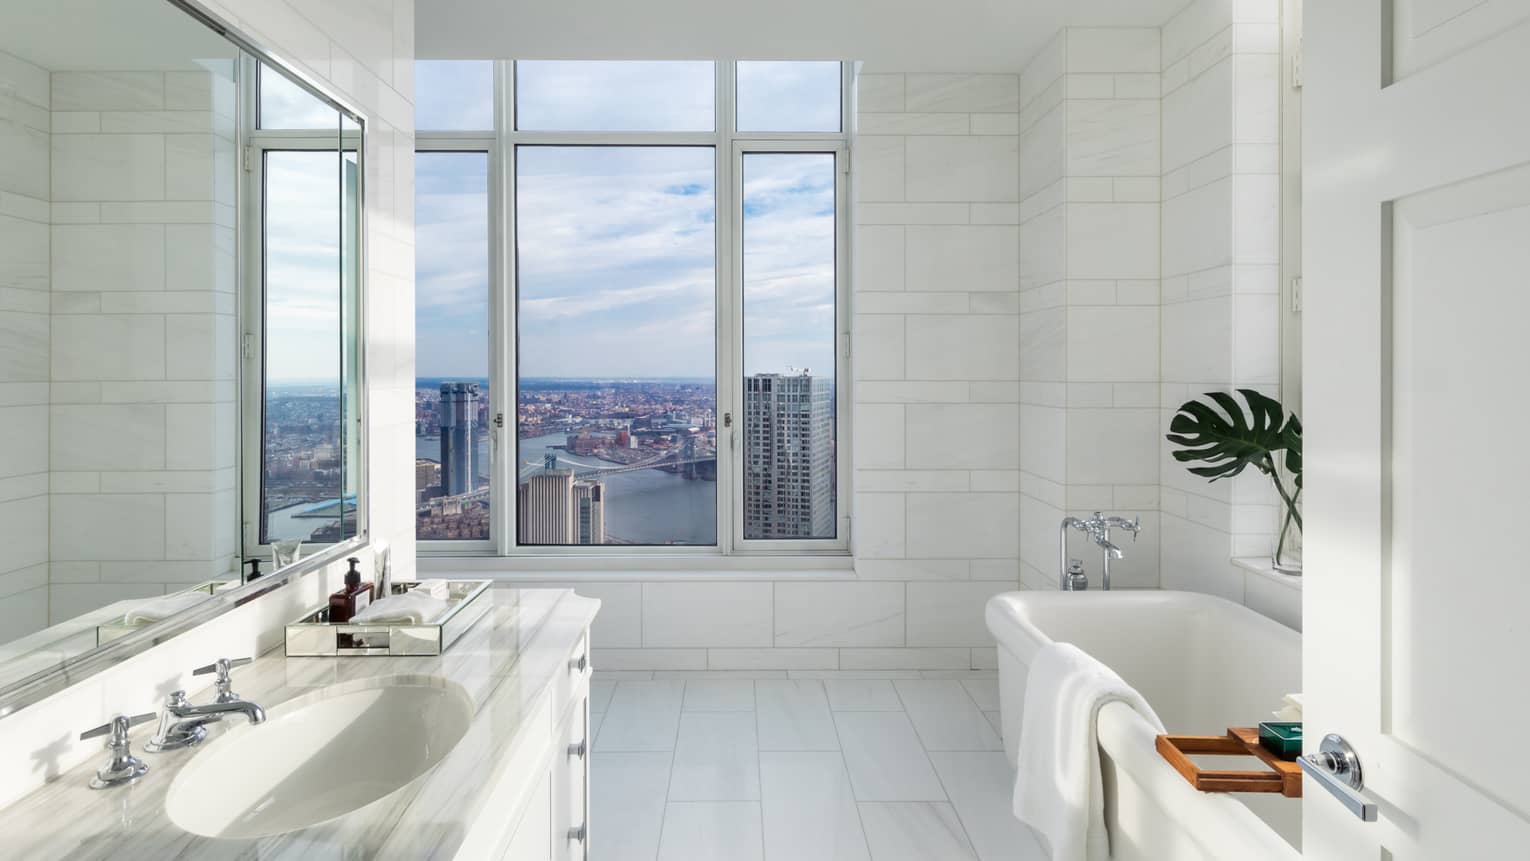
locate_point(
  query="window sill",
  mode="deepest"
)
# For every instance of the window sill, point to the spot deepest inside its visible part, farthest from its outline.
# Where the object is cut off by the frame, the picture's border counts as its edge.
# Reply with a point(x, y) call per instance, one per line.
point(633, 568)
point(1261, 566)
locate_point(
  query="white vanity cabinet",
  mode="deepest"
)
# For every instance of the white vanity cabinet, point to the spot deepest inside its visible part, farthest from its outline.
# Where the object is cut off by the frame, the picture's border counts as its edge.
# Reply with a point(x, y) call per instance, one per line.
point(551, 821)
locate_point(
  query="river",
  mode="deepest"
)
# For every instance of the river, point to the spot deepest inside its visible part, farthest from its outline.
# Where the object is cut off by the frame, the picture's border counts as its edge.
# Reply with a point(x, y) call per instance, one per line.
point(647, 507)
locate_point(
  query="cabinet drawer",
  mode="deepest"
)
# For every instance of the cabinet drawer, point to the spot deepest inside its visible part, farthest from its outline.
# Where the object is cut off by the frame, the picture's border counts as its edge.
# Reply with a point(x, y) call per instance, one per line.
point(532, 839)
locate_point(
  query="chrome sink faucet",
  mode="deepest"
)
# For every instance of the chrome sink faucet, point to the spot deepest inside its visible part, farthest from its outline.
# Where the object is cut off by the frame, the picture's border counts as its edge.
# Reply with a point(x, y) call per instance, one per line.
point(1097, 527)
point(184, 724)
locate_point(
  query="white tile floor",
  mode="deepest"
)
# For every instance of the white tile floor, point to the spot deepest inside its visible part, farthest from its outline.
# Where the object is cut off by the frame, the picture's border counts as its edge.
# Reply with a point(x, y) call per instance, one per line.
point(832, 767)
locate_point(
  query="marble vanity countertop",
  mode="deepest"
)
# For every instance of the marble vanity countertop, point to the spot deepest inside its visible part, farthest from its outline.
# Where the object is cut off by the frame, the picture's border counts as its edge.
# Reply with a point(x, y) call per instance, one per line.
point(506, 663)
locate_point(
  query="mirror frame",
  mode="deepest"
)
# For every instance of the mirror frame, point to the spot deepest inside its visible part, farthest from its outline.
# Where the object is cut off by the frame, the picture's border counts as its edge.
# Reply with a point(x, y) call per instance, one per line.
point(71, 671)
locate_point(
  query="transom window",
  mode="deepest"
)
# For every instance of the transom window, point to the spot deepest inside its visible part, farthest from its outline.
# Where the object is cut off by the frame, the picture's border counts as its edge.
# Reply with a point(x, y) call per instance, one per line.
point(630, 307)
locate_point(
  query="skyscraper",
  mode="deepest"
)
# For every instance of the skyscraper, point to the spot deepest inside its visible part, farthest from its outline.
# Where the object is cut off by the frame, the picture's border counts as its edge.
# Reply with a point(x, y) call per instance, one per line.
point(459, 408)
point(788, 457)
point(590, 512)
point(553, 508)
point(545, 508)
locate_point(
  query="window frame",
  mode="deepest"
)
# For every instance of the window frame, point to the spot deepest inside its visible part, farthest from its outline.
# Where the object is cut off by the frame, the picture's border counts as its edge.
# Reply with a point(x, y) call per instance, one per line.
point(484, 143)
point(253, 143)
point(728, 147)
point(841, 540)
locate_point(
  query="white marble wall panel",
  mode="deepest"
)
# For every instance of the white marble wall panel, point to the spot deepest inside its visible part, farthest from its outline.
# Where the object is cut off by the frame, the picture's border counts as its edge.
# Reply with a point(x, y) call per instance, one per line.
point(143, 277)
point(1090, 267)
point(938, 226)
point(1220, 313)
point(839, 614)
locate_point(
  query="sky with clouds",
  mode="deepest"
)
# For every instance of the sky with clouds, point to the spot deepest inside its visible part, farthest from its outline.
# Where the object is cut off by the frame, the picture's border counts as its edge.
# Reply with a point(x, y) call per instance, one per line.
point(302, 202)
point(617, 244)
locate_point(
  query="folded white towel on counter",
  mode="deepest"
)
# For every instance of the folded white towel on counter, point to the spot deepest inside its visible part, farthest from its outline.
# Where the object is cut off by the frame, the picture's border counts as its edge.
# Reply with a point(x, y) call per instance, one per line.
point(1059, 790)
point(409, 608)
point(156, 609)
point(434, 588)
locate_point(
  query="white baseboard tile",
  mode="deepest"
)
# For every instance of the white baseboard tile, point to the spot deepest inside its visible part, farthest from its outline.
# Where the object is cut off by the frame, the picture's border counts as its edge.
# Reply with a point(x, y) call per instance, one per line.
point(773, 659)
point(649, 659)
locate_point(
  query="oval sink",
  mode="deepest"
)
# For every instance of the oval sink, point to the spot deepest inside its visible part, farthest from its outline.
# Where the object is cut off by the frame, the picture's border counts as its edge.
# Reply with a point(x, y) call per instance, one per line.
point(317, 758)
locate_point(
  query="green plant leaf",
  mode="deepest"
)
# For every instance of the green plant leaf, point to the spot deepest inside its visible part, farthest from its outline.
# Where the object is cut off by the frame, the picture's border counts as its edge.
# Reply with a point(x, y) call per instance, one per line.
point(1293, 435)
point(1232, 438)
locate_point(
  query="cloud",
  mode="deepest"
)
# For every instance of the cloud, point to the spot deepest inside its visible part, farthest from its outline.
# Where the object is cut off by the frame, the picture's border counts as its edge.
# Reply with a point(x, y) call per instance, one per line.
point(616, 266)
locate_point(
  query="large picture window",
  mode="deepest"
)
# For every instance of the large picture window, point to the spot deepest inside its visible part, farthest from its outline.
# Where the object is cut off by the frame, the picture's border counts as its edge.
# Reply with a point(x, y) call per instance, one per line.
point(662, 301)
point(616, 413)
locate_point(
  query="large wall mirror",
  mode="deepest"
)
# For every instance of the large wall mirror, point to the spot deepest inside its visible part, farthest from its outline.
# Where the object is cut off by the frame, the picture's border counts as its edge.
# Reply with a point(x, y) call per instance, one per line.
point(180, 381)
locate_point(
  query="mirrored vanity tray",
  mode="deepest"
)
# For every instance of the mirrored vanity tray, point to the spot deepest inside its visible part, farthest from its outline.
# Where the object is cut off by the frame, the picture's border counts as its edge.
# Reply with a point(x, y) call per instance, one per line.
point(314, 636)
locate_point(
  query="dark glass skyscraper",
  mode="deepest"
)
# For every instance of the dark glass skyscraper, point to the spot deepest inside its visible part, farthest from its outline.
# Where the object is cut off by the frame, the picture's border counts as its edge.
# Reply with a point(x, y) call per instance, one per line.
point(459, 407)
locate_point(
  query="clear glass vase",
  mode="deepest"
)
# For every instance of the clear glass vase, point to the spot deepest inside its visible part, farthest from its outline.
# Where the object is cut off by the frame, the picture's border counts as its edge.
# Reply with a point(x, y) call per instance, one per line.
point(1287, 558)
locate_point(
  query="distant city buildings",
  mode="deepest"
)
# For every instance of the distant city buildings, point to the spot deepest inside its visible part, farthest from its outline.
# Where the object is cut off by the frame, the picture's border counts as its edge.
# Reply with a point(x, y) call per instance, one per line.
point(459, 410)
point(789, 457)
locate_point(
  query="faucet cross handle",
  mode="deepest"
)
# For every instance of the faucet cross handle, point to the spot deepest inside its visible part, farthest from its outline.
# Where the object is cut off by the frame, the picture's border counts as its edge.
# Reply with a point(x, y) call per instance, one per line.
point(123, 767)
point(225, 683)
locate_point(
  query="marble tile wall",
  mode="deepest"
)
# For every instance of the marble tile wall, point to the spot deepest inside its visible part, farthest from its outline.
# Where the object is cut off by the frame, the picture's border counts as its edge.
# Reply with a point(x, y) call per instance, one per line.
point(937, 344)
point(24, 338)
point(1221, 285)
point(1149, 274)
point(143, 420)
point(1090, 150)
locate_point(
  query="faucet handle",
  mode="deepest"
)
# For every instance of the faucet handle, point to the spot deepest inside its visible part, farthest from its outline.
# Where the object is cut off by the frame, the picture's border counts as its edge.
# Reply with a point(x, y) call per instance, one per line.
point(118, 728)
point(225, 683)
point(123, 766)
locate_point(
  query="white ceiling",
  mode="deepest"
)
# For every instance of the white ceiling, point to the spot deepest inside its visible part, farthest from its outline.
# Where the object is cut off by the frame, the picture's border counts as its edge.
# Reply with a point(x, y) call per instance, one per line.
point(902, 35)
point(120, 35)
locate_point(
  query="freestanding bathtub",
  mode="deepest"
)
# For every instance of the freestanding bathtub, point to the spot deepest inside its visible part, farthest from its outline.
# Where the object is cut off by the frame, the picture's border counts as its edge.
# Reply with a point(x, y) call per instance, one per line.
point(1204, 664)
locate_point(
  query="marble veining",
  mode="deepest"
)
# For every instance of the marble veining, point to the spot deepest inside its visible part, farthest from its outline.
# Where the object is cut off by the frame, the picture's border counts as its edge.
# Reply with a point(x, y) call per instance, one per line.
point(506, 664)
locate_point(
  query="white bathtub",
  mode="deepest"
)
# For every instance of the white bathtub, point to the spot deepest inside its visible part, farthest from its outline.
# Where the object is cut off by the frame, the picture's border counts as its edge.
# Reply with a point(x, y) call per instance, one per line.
point(1204, 664)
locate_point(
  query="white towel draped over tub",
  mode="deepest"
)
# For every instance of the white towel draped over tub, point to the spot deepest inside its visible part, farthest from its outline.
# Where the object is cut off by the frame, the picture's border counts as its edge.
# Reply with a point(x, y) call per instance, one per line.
point(1058, 789)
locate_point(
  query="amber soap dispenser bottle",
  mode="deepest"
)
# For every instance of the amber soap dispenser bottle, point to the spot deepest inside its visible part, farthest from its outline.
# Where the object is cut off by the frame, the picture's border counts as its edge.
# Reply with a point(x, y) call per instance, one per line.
point(353, 598)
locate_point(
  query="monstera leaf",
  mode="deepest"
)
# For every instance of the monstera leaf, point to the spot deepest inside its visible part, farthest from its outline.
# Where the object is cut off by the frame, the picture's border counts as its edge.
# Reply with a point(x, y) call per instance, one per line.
point(1231, 439)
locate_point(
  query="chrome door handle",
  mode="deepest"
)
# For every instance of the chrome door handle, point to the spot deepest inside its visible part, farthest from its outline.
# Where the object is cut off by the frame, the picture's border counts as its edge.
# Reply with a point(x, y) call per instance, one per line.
point(580, 665)
point(1337, 768)
point(577, 750)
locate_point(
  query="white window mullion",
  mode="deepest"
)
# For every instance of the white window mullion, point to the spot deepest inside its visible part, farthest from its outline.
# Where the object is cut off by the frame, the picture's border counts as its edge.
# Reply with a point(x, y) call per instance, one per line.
point(507, 473)
point(728, 316)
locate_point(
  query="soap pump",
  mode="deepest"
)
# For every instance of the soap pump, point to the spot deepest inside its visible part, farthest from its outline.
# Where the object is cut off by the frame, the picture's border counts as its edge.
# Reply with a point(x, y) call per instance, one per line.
point(353, 598)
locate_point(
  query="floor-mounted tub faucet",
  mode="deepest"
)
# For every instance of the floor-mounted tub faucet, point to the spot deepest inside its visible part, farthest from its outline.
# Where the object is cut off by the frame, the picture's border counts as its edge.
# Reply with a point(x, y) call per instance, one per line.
point(1097, 527)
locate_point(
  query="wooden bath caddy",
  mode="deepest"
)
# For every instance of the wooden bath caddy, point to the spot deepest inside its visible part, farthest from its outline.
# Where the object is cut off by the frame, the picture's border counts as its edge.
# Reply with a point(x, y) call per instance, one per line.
point(1283, 777)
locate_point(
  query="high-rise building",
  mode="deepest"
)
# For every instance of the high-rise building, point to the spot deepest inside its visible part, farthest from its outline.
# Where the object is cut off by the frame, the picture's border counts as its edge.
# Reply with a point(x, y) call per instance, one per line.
point(425, 475)
point(545, 508)
point(590, 512)
point(788, 457)
point(459, 408)
point(553, 508)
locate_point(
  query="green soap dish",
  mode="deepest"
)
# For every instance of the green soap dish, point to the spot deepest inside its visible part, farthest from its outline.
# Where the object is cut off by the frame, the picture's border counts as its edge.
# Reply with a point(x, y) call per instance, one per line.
point(1282, 738)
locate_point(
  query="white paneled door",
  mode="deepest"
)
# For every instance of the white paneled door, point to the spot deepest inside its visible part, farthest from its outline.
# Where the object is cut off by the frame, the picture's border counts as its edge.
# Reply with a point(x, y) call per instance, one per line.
point(1416, 345)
